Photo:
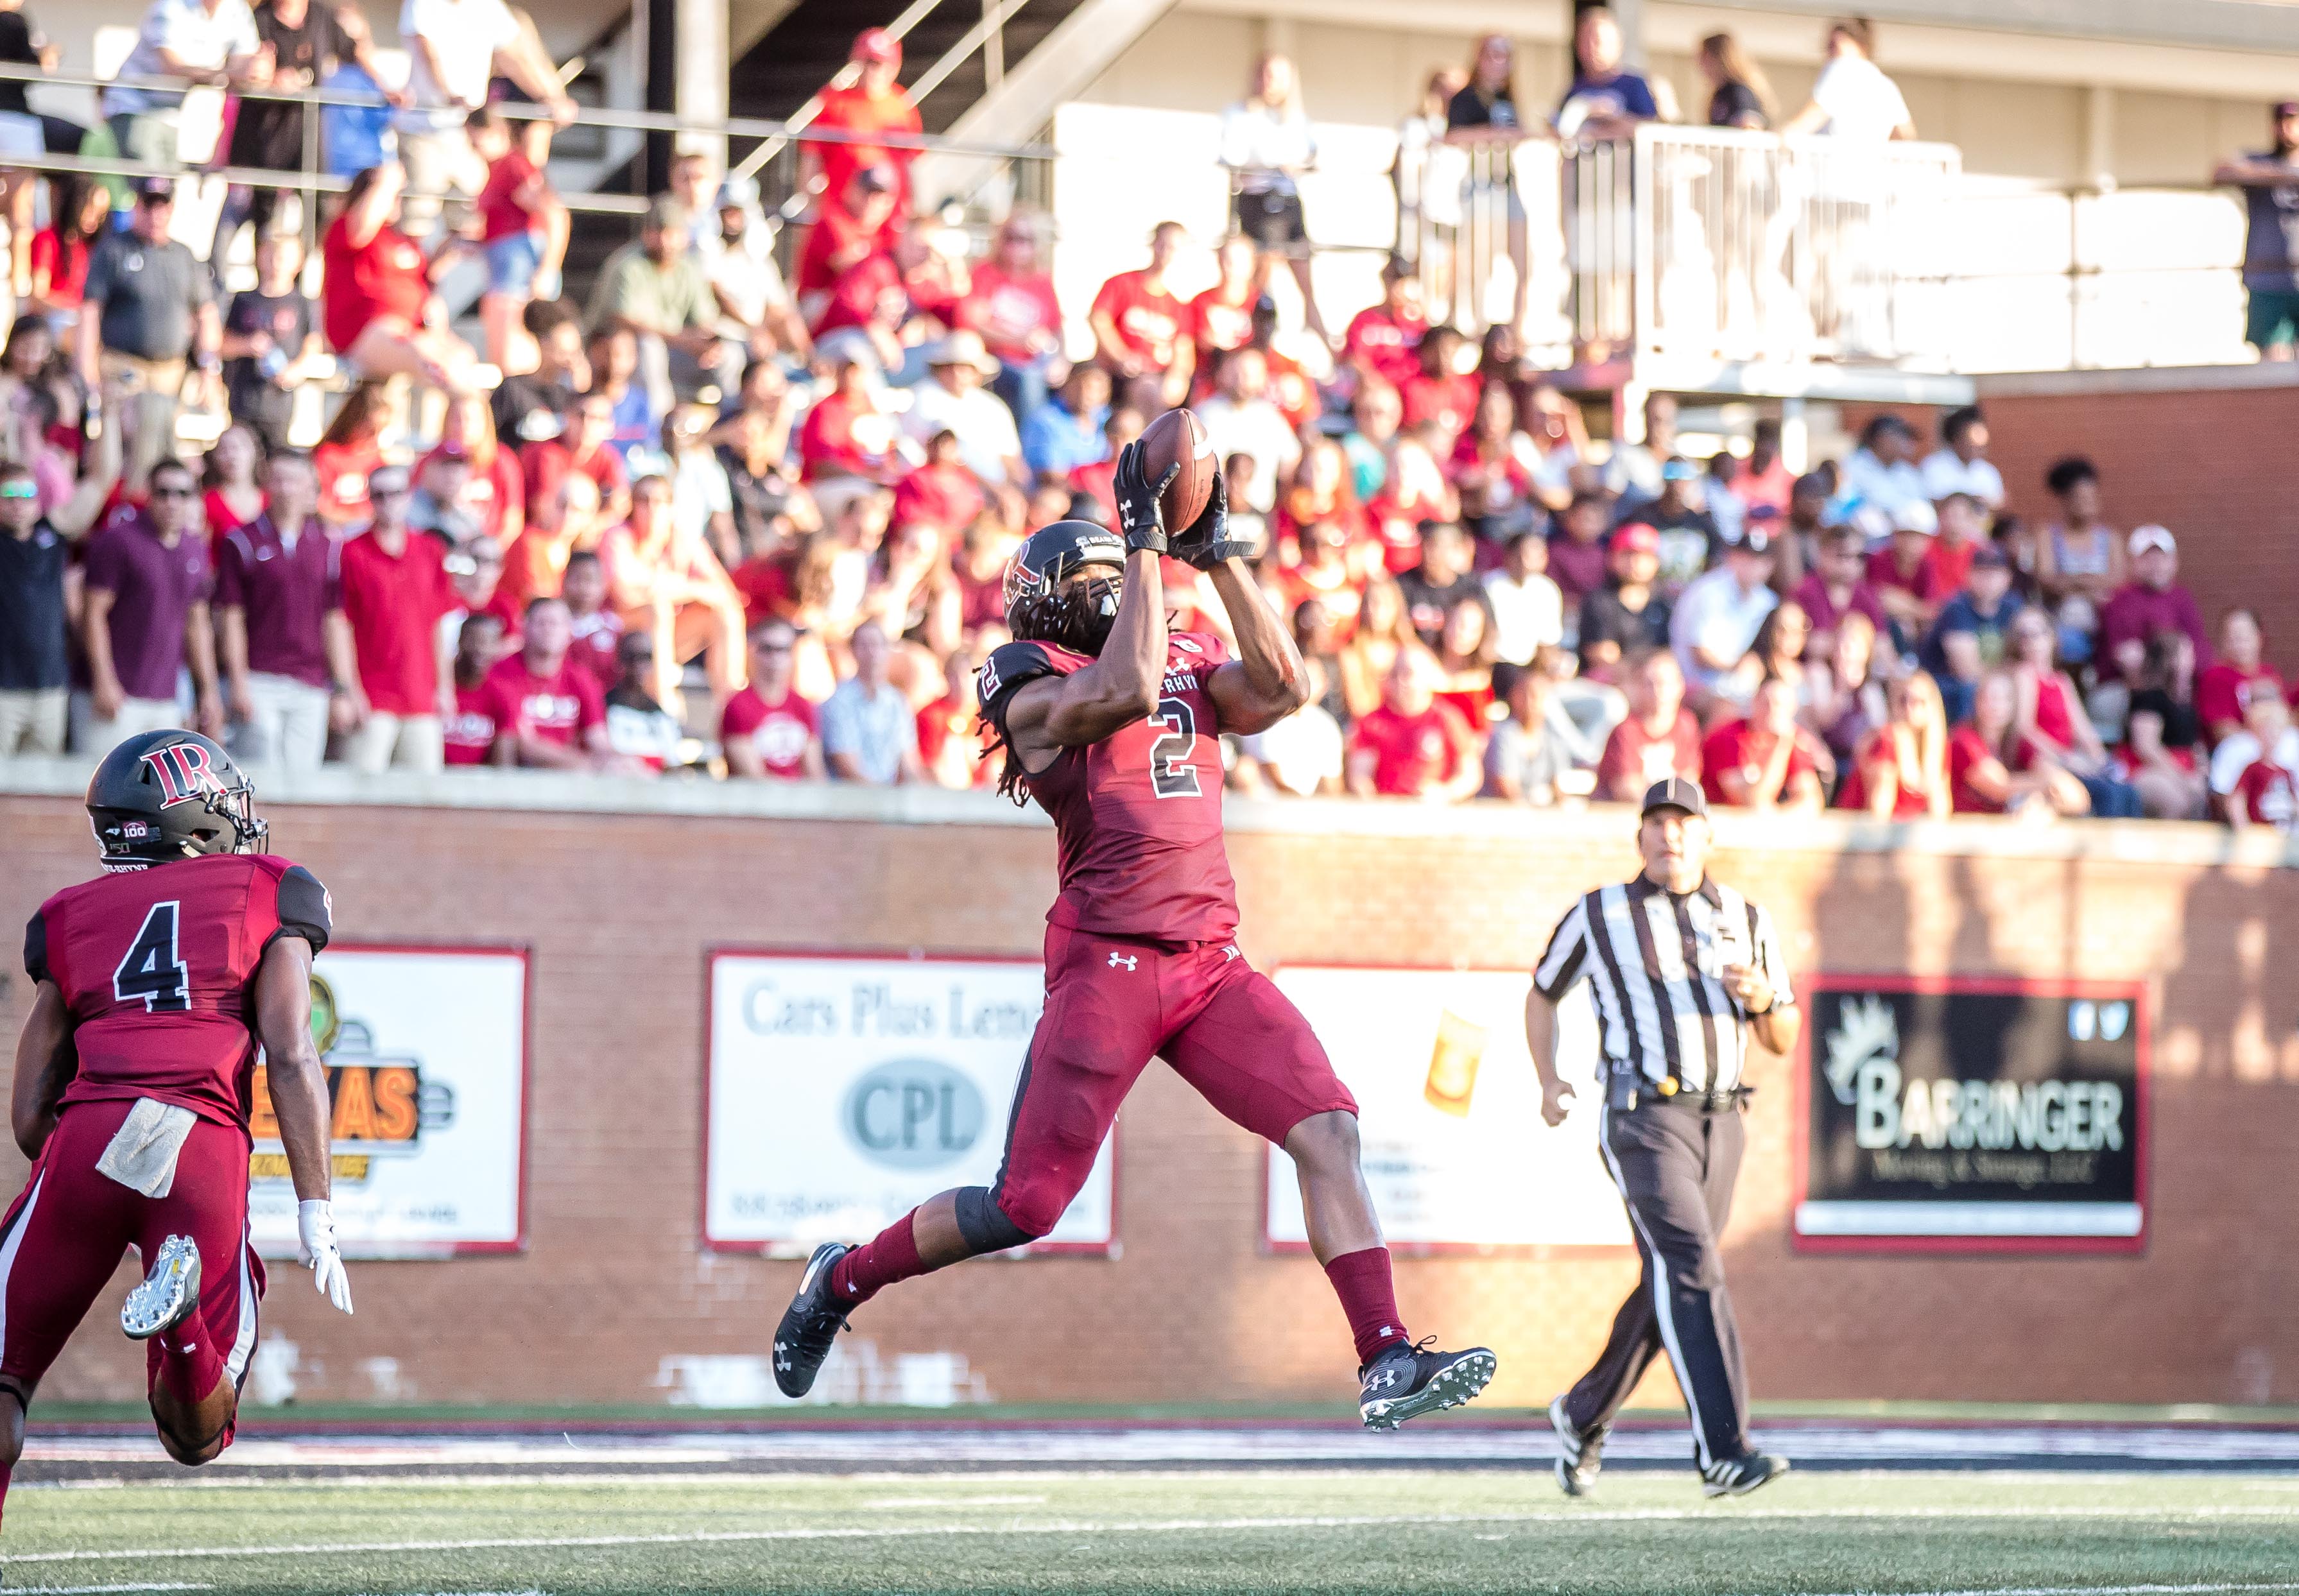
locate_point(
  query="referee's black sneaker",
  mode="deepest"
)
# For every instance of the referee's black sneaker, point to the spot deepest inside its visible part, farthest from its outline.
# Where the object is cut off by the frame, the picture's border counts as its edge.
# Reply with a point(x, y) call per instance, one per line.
point(810, 1324)
point(1579, 1456)
point(1736, 1476)
point(1405, 1382)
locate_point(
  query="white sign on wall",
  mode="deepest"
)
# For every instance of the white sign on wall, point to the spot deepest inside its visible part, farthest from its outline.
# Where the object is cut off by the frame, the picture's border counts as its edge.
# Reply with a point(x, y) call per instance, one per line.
point(426, 1054)
point(1453, 1145)
point(843, 1092)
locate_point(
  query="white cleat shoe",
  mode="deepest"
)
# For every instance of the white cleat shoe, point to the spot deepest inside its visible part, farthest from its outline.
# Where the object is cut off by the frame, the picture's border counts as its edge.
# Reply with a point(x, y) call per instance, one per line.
point(170, 1291)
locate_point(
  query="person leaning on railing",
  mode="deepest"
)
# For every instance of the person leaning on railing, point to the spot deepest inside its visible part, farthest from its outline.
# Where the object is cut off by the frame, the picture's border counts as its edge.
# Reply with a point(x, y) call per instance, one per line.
point(1485, 114)
point(209, 42)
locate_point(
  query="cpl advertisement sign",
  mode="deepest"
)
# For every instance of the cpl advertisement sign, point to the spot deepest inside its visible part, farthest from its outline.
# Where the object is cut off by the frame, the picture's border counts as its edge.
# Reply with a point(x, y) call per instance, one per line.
point(1449, 1125)
point(424, 1050)
point(844, 1091)
point(1971, 1115)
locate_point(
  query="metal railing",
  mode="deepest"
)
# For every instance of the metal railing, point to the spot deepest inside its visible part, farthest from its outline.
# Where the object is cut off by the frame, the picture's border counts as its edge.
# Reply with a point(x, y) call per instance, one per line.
point(1692, 241)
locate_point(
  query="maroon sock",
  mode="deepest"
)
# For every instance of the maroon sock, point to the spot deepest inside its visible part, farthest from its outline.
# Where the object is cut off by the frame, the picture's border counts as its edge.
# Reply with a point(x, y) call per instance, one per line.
point(1362, 1281)
point(874, 1265)
point(190, 1366)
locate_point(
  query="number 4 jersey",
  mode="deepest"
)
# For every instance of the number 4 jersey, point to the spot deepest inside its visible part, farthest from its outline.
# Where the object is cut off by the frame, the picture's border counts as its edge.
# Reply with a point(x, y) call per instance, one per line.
point(1138, 814)
point(158, 969)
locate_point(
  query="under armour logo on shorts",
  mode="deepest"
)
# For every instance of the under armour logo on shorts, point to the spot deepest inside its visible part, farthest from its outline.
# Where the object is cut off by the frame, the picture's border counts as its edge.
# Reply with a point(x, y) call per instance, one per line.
point(1127, 959)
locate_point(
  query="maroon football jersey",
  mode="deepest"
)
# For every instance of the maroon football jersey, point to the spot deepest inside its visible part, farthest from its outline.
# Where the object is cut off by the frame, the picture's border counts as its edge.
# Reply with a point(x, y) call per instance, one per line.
point(158, 969)
point(1138, 814)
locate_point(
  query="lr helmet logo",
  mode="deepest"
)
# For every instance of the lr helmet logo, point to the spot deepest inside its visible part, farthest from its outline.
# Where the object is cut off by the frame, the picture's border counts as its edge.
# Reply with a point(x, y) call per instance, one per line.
point(183, 771)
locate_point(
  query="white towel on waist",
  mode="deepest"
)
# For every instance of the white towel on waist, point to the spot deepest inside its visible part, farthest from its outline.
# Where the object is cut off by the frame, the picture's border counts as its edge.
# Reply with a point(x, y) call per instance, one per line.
point(142, 1155)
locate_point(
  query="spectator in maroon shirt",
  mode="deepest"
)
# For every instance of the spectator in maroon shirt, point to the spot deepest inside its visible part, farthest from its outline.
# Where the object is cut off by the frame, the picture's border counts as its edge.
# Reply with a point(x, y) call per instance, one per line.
point(2223, 692)
point(547, 710)
point(1659, 740)
point(769, 730)
point(1838, 586)
point(395, 592)
point(146, 615)
point(1577, 552)
point(285, 641)
point(2152, 602)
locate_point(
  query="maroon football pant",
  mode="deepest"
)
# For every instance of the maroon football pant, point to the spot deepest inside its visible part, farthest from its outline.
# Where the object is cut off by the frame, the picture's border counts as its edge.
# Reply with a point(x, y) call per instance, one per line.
point(65, 1234)
point(1112, 1004)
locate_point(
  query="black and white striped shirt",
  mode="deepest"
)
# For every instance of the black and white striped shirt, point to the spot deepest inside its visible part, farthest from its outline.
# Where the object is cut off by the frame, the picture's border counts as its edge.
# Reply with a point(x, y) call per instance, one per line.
point(1655, 963)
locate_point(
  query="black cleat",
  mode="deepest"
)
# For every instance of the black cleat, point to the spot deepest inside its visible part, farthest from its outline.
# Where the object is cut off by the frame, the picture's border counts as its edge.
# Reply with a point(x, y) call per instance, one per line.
point(810, 1324)
point(1405, 1382)
point(1579, 1458)
point(1736, 1476)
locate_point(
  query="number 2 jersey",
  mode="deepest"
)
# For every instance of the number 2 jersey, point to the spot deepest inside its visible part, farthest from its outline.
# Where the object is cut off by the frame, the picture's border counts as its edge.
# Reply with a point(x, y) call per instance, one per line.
point(1138, 814)
point(158, 968)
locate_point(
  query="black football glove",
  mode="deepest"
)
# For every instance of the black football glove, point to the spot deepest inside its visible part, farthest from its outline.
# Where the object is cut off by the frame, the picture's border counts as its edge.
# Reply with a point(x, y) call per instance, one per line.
point(1139, 513)
point(1207, 542)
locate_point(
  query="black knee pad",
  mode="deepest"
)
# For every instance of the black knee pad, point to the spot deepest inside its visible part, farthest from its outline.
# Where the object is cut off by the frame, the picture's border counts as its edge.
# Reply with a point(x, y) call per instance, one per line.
point(984, 1225)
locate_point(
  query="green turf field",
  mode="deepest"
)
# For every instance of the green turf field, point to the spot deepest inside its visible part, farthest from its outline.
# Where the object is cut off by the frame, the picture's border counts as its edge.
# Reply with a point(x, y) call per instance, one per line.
point(1359, 1531)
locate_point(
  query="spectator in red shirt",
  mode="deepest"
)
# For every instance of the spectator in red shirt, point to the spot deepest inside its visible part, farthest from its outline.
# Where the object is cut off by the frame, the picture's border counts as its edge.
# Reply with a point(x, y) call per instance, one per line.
point(469, 732)
point(862, 225)
point(1764, 761)
point(522, 230)
point(2151, 602)
point(584, 446)
point(1658, 739)
point(496, 496)
point(81, 209)
point(1900, 771)
point(1290, 389)
point(1764, 478)
point(395, 592)
point(1441, 391)
point(1138, 326)
point(147, 583)
point(1010, 302)
point(941, 493)
point(1962, 530)
point(1384, 339)
point(1837, 586)
point(872, 101)
point(663, 578)
point(1413, 746)
point(285, 641)
point(1901, 573)
point(2267, 793)
point(596, 627)
point(769, 730)
point(348, 454)
point(2223, 691)
point(547, 710)
point(1221, 319)
point(845, 433)
point(377, 288)
point(1994, 767)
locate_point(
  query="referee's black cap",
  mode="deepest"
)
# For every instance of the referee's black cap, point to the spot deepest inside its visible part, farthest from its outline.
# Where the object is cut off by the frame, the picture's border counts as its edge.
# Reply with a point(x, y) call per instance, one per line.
point(1676, 793)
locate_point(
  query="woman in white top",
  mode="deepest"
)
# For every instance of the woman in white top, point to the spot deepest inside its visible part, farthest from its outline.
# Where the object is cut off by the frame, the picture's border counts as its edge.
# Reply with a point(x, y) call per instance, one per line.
point(1428, 175)
point(1267, 145)
point(1852, 98)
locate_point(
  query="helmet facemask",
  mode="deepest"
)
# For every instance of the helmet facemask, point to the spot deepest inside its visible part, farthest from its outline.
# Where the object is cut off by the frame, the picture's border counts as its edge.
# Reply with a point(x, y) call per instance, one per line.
point(1072, 610)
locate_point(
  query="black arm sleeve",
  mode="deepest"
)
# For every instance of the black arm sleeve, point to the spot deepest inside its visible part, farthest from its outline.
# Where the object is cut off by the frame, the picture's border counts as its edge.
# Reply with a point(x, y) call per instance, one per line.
point(305, 909)
point(36, 947)
point(1011, 668)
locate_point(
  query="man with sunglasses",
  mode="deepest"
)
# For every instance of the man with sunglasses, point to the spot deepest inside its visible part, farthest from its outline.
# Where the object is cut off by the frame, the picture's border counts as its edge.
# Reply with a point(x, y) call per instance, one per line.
point(35, 670)
point(394, 591)
point(151, 315)
point(146, 616)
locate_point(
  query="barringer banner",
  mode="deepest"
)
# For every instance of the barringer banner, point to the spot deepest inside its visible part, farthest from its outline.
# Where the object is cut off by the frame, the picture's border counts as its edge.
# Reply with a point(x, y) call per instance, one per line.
point(1454, 1148)
point(426, 1056)
point(843, 1092)
point(1970, 1114)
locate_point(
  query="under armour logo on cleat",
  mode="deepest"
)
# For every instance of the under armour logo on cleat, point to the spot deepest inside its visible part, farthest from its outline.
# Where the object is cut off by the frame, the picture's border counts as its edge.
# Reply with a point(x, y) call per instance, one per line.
point(1126, 959)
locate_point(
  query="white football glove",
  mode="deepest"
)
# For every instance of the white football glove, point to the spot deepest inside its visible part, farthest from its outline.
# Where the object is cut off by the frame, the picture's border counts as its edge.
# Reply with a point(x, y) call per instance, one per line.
point(316, 1249)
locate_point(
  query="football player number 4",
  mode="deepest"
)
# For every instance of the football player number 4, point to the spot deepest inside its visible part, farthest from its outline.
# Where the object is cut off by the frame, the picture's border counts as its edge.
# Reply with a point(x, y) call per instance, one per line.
point(1171, 774)
point(152, 971)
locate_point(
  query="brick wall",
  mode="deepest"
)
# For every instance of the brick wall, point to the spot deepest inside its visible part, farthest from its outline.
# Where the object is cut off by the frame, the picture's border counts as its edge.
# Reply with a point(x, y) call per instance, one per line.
point(618, 909)
point(2197, 455)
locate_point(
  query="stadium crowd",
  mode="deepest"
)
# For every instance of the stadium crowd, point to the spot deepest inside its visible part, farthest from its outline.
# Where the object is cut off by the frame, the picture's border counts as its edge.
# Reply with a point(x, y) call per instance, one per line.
point(716, 523)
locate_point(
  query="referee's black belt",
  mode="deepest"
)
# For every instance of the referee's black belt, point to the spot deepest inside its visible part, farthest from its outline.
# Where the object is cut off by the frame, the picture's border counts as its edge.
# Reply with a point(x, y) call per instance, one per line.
point(1671, 1092)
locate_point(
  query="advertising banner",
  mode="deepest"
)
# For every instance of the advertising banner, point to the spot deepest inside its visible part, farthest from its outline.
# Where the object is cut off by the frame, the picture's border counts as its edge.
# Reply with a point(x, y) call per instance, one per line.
point(1967, 1115)
point(1449, 1111)
point(844, 1091)
point(426, 1054)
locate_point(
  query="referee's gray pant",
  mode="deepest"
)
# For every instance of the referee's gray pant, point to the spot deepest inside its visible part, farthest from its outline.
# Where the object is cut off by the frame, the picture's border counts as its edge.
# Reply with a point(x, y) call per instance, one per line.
point(1675, 1166)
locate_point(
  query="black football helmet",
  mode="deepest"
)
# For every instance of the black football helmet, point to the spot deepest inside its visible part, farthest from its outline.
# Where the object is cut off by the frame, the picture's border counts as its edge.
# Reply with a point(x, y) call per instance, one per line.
point(1043, 605)
point(171, 795)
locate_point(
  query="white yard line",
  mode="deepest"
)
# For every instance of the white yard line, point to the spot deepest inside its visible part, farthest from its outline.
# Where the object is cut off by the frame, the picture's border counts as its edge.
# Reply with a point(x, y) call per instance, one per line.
point(1724, 1515)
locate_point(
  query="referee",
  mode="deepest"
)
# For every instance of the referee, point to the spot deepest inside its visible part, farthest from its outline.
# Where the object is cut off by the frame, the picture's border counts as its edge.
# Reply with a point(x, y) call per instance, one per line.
point(1682, 969)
